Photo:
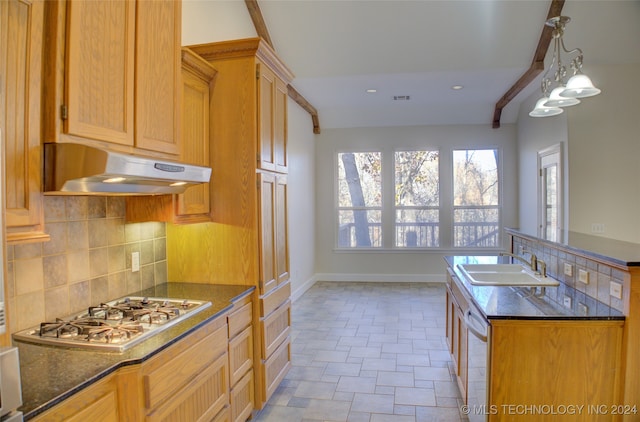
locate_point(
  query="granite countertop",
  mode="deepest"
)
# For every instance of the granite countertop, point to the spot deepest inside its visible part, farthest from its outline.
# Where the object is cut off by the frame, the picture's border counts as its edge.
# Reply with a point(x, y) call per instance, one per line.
point(51, 374)
point(505, 302)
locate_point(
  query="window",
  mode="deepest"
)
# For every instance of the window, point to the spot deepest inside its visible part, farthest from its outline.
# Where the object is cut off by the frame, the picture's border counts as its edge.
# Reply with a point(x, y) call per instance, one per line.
point(417, 199)
point(359, 199)
point(476, 201)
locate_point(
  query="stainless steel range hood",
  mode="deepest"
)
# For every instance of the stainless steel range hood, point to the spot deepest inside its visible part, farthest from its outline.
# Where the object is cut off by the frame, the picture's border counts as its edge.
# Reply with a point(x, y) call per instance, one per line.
point(75, 169)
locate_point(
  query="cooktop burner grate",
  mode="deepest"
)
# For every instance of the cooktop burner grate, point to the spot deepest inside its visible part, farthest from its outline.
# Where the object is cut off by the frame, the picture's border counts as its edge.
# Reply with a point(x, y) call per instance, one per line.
point(114, 326)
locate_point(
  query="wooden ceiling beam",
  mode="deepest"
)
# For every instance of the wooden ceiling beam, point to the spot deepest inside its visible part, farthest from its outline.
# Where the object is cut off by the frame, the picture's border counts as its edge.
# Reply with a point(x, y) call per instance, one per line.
point(258, 21)
point(263, 32)
point(537, 64)
point(295, 96)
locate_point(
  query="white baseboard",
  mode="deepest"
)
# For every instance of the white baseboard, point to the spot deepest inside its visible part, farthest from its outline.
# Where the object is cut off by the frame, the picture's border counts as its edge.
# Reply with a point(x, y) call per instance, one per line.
point(298, 291)
point(398, 278)
point(389, 278)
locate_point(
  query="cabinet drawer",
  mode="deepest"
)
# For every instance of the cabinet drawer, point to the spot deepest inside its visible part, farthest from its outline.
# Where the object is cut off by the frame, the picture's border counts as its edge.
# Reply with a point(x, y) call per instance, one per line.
point(276, 367)
point(240, 319)
point(223, 416)
point(275, 298)
point(241, 398)
point(275, 328)
point(178, 365)
point(240, 355)
point(199, 400)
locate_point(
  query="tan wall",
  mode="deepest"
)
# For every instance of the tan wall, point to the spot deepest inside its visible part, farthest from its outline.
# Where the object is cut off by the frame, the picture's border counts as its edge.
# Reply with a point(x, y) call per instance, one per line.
point(87, 260)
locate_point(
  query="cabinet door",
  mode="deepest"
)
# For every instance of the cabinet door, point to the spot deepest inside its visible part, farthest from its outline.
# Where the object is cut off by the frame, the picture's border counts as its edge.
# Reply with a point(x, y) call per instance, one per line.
point(21, 37)
point(196, 97)
point(266, 90)
point(280, 129)
point(281, 233)
point(98, 403)
point(99, 71)
point(267, 214)
point(157, 80)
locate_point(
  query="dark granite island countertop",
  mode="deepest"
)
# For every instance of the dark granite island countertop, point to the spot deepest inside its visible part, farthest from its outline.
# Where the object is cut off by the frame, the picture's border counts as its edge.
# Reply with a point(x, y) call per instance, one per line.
point(51, 374)
point(505, 302)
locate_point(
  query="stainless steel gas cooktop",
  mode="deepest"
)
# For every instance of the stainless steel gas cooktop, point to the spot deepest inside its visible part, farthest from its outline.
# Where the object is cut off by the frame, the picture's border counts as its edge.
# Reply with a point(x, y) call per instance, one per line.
point(113, 326)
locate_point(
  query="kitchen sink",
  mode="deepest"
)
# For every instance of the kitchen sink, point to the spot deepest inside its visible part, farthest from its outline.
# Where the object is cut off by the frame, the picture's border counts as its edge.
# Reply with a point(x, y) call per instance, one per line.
point(503, 275)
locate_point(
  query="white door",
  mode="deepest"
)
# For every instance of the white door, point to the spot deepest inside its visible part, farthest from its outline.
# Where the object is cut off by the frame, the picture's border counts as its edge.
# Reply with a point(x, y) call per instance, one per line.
point(550, 202)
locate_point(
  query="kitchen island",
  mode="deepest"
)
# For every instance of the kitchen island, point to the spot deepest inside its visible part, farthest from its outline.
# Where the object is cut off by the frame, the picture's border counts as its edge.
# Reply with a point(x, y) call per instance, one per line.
point(521, 355)
point(50, 375)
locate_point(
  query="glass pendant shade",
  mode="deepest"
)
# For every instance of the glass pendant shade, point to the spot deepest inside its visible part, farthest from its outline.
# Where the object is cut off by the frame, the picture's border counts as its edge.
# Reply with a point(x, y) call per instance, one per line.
point(555, 100)
point(579, 86)
point(540, 110)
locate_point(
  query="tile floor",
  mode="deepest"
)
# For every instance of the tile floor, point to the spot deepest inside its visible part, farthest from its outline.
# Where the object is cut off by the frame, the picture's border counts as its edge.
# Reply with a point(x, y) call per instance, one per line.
point(372, 352)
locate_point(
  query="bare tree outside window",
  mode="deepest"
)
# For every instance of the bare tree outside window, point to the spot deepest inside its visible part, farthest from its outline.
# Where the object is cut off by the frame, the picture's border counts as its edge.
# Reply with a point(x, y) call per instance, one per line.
point(417, 199)
point(359, 200)
point(476, 203)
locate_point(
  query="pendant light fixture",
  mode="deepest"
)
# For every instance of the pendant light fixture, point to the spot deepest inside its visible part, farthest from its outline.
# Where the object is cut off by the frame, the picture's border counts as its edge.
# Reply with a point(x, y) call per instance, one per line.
point(564, 94)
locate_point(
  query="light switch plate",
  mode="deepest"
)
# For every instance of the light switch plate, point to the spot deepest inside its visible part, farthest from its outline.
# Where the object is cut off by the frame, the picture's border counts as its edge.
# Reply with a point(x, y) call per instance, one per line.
point(568, 269)
point(583, 276)
point(567, 302)
point(615, 289)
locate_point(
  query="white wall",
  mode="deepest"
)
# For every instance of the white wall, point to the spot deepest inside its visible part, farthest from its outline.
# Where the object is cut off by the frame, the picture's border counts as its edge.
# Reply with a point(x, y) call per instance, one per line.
point(398, 265)
point(534, 135)
point(210, 21)
point(603, 155)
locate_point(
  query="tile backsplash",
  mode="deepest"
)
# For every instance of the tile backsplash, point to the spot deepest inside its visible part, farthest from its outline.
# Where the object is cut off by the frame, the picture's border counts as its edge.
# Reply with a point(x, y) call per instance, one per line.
point(596, 288)
point(86, 261)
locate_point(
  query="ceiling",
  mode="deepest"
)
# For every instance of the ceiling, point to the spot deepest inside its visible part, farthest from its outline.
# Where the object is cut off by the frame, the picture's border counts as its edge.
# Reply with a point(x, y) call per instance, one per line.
point(421, 48)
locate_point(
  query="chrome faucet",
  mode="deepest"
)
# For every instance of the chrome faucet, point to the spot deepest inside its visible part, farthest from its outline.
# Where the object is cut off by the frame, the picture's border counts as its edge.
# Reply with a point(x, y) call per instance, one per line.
point(532, 263)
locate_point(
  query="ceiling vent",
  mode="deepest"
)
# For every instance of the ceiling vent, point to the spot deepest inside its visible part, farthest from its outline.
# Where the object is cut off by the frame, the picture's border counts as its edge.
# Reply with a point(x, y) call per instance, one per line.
point(401, 98)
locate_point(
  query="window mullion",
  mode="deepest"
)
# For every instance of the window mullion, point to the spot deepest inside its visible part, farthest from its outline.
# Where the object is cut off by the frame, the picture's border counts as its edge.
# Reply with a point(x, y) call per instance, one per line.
point(388, 199)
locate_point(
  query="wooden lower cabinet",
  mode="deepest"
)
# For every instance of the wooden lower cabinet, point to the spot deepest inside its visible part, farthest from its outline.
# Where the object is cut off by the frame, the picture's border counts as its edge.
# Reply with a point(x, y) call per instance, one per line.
point(191, 375)
point(273, 341)
point(241, 357)
point(96, 403)
point(540, 362)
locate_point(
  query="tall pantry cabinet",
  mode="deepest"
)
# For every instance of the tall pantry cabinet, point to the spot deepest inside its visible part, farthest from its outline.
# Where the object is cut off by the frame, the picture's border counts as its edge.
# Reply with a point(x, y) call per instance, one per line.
point(249, 192)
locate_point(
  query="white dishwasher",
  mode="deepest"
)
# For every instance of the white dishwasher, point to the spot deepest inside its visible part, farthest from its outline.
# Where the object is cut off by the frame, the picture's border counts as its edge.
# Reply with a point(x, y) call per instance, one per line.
point(478, 329)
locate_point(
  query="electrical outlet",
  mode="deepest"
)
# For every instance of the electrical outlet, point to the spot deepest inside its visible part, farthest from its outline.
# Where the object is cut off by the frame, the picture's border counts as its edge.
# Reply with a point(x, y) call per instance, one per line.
point(615, 290)
point(568, 269)
point(583, 309)
point(597, 228)
point(567, 302)
point(135, 261)
point(583, 276)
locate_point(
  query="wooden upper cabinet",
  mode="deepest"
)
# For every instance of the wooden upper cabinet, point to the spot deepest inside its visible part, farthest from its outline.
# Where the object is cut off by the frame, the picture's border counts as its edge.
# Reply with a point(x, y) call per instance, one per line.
point(112, 74)
point(194, 205)
point(197, 85)
point(272, 115)
point(21, 38)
